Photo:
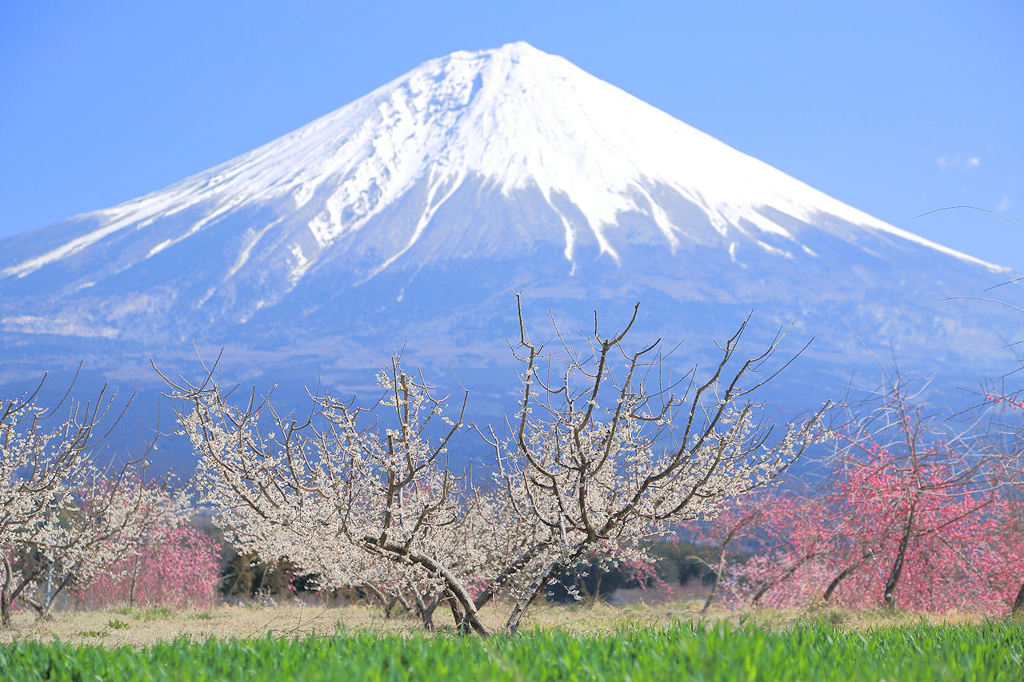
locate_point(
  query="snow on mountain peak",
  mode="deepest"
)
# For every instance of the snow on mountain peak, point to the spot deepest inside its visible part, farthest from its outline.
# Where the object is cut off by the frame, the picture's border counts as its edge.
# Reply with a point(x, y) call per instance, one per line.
point(513, 118)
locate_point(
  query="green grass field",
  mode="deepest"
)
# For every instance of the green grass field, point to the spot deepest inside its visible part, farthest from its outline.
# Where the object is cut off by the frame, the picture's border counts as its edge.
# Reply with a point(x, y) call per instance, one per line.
point(818, 651)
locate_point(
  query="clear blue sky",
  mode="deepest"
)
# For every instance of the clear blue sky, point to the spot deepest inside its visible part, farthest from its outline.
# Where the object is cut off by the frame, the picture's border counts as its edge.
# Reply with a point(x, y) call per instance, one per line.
point(895, 107)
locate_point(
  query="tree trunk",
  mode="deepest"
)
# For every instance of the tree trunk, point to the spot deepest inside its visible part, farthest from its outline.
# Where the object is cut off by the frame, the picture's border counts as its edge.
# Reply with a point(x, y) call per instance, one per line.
point(381, 597)
point(42, 610)
point(596, 596)
point(5, 595)
point(426, 614)
point(832, 586)
point(45, 609)
point(5, 608)
point(461, 626)
point(583, 590)
point(9, 592)
point(514, 619)
point(508, 573)
point(49, 583)
point(538, 586)
point(718, 578)
point(782, 578)
point(263, 577)
point(1018, 603)
point(453, 583)
point(720, 571)
point(135, 580)
point(846, 573)
point(889, 594)
point(431, 607)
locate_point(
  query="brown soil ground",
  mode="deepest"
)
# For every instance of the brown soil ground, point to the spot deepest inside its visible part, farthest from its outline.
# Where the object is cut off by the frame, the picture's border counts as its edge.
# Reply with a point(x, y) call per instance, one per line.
point(141, 626)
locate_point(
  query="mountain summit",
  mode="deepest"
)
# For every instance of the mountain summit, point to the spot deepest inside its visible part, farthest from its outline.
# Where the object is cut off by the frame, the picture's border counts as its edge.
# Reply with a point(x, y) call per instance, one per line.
point(408, 214)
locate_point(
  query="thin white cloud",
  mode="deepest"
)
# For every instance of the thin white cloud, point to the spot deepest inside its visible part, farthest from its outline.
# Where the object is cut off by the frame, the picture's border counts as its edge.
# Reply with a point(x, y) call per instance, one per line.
point(1005, 204)
point(958, 161)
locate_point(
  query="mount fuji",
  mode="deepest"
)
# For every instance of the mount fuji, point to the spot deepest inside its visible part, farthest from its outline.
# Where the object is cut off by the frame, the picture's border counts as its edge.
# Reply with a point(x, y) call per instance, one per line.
point(406, 216)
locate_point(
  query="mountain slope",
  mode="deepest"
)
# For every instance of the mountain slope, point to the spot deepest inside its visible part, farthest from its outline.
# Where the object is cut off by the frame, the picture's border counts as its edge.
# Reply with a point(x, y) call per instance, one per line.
point(409, 213)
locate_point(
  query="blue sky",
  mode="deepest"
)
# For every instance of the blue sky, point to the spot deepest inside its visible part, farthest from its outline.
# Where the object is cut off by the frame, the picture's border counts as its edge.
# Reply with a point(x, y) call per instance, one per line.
point(897, 108)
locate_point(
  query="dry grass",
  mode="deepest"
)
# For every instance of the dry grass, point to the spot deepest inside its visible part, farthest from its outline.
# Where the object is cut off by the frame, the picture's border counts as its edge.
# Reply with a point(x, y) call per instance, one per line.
point(139, 627)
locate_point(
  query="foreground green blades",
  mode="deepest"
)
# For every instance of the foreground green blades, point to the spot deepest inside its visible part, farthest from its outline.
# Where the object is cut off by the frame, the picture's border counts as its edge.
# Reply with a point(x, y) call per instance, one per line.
point(991, 651)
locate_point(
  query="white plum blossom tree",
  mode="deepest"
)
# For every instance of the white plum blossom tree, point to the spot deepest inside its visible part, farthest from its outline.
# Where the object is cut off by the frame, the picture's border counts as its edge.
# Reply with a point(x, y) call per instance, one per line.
point(63, 516)
point(603, 463)
point(594, 463)
point(361, 496)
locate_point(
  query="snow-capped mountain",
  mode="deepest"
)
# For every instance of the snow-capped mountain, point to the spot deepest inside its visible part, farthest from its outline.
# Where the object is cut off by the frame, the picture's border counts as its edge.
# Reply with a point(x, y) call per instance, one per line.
point(409, 213)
